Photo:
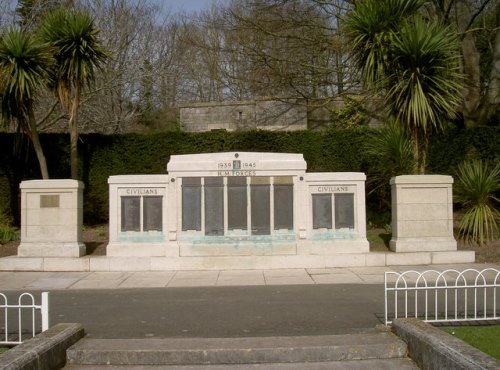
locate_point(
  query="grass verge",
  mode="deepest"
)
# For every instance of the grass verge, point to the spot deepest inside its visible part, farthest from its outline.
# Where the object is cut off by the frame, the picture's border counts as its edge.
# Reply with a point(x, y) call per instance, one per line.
point(379, 239)
point(484, 338)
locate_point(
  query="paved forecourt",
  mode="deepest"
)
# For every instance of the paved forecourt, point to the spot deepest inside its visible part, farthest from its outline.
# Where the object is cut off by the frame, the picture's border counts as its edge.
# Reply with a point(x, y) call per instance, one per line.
point(210, 278)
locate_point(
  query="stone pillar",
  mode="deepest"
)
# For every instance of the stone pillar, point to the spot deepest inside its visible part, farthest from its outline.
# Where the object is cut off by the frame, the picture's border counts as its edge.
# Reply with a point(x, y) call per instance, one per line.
point(422, 213)
point(51, 218)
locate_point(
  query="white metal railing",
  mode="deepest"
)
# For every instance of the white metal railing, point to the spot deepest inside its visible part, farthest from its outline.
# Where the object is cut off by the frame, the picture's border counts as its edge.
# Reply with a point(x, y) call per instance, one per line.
point(25, 302)
point(446, 296)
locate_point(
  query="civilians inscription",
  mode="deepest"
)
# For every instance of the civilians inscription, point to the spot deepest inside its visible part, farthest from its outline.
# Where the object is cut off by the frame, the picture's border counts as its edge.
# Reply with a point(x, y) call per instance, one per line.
point(330, 189)
point(142, 191)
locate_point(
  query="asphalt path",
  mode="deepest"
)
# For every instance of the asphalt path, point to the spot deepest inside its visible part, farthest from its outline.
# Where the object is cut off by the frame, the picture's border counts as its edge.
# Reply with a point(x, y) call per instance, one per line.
point(250, 311)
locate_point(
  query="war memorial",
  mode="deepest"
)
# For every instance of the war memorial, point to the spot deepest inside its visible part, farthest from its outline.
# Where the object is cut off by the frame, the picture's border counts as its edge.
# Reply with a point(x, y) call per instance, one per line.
point(235, 210)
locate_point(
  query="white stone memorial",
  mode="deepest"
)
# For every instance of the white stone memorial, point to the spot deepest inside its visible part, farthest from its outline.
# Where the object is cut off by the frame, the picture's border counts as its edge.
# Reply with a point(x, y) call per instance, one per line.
point(51, 218)
point(422, 213)
point(263, 206)
point(235, 211)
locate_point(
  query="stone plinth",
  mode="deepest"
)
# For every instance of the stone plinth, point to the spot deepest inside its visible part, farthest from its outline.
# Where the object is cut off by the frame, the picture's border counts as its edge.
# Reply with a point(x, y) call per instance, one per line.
point(422, 213)
point(51, 218)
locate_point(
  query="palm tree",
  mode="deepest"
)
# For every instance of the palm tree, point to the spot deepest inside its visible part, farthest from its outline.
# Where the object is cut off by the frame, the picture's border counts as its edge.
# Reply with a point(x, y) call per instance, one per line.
point(423, 87)
point(412, 63)
point(371, 26)
point(23, 65)
point(78, 54)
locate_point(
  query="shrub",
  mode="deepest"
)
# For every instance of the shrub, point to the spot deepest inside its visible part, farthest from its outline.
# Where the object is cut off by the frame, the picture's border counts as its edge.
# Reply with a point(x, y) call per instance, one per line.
point(475, 189)
point(7, 232)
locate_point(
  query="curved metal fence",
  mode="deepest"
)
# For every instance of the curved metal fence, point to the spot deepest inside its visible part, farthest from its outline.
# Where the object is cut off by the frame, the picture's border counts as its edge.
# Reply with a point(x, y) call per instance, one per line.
point(24, 318)
point(442, 296)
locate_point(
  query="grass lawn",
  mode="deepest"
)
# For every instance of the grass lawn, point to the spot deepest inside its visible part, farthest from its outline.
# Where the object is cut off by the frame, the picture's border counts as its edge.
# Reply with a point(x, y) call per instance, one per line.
point(379, 239)
point(484, 338)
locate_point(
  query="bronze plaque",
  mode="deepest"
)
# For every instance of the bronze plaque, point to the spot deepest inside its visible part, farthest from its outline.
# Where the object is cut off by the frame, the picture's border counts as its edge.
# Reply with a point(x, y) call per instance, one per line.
point(49, 201)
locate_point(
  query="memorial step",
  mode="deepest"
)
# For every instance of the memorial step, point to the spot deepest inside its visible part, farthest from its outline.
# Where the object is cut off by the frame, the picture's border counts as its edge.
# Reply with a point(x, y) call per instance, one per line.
point(383, 364)
point(224, 353)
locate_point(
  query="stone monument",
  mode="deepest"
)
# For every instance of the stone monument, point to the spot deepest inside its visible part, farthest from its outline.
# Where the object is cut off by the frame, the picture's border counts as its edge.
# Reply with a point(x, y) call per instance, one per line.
point(263, 206)
point(422, 213)
point(51, 218)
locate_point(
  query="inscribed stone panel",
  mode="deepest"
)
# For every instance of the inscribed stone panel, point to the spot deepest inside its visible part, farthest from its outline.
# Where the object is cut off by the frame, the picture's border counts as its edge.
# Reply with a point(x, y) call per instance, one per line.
point(283, 207)
point(260, 209)
point(153, 215)
point(322, 211)
point(237, 203)
point(214, 206)
point(131, 213)
point(344, 211)
point(191, 203)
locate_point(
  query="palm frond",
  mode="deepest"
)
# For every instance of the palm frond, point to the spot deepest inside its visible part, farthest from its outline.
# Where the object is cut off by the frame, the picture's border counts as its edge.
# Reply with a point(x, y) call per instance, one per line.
point(371, 25)
point(424, 86)
point(75, 44)
point(393, 150)
point(23, 70)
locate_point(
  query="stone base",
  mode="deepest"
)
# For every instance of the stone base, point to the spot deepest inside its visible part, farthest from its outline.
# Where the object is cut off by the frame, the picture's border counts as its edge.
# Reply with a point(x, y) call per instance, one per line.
point(138, 263)
point(238, 249)
point(423, 244)
point(135, 250)
point(60, 249)
point(329, 248)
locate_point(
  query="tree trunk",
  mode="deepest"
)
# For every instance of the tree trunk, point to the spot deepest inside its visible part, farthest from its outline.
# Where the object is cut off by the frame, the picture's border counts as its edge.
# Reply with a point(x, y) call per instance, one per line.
point(470, 59)
point(492, 100)
point(416, 149)
point(73, 132)
point(31, 130)
point(424, 152)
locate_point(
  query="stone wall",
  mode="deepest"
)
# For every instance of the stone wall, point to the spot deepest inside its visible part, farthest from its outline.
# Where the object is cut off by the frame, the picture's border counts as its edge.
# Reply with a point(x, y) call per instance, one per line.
point(272, 115)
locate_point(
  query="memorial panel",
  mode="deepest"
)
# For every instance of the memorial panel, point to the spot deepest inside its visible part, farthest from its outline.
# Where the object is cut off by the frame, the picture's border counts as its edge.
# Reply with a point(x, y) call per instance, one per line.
point(153, 215)
point(283, 207)
point(131, 213)
point(344, 211)
point(322, 211)
point(214, 206)
point(191, 203)
point(237, 203)
point(260, 204)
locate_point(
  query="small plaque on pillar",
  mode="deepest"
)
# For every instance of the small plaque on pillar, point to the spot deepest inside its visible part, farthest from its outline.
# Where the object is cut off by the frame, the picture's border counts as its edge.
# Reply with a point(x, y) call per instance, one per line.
point(49, 201)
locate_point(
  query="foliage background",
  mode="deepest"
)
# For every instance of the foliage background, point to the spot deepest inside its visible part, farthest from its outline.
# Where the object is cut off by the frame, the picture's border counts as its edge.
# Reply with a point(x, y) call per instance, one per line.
point(101, 156)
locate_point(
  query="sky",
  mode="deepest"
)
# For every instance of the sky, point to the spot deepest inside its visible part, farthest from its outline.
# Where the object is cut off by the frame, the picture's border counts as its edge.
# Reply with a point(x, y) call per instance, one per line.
point(188, 5)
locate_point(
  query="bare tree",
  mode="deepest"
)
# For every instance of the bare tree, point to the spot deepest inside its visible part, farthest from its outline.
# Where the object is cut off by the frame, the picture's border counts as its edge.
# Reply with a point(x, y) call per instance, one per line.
point(475, 20)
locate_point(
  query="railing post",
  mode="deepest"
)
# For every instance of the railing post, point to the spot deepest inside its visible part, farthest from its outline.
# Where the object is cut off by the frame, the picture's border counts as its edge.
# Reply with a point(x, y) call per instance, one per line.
point(385, 298)
point(45, 311)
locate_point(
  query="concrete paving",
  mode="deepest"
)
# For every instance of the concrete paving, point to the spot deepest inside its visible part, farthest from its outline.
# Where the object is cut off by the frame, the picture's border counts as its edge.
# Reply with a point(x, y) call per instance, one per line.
point(175, 279)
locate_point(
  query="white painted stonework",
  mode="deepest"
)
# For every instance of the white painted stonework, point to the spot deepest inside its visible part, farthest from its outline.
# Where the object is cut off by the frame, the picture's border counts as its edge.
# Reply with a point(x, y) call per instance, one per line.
point(51, 218)
point(422, 213)
point(262, 211)
point(235, 211)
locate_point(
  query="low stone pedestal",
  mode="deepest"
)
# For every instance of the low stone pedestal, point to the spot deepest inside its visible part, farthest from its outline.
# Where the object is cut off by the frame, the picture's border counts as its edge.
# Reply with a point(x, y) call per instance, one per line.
point(422, 213)
point(51, 219)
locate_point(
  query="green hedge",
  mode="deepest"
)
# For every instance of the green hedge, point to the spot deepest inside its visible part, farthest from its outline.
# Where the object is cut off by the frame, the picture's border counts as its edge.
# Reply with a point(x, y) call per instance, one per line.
point(102, 156)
